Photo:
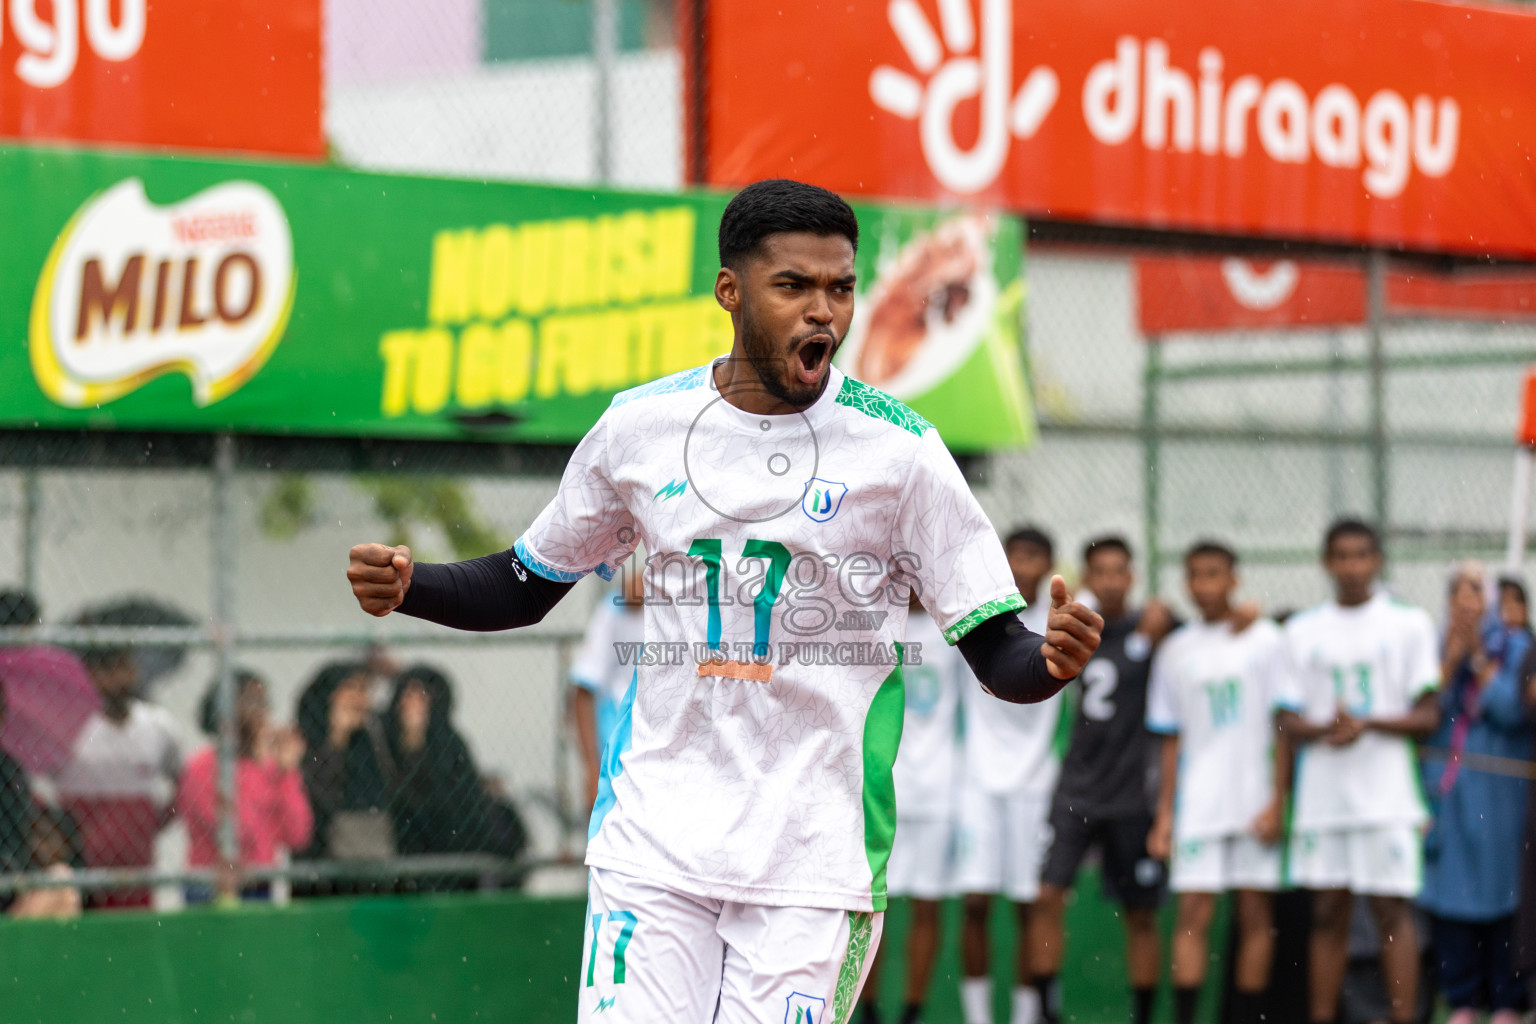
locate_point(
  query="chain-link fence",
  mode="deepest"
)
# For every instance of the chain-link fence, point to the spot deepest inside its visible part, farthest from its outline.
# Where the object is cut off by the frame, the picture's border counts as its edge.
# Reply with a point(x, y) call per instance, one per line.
point(361, 755)
point(540, 90)
point(1261, 438)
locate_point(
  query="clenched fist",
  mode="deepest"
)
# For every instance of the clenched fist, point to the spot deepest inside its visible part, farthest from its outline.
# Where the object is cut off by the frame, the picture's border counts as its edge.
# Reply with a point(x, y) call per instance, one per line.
point(1072, 633)
point(380, 575)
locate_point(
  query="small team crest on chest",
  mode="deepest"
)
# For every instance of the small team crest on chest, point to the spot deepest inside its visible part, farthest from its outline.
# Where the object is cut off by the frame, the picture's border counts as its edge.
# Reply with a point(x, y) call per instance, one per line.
point(823, 498)
point(804, 1009)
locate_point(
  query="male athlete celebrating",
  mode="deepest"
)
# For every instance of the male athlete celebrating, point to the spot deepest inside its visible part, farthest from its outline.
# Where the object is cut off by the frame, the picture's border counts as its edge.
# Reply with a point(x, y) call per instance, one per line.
point(745, 814)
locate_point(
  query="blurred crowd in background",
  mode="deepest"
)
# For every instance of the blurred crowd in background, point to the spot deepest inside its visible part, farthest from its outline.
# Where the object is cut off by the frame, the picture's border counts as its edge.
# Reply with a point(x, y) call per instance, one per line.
point(92, 771)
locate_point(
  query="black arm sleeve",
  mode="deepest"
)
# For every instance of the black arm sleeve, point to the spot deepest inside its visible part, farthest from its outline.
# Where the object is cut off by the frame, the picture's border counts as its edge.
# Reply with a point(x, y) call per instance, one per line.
point(483, 594)
point(1006, 657)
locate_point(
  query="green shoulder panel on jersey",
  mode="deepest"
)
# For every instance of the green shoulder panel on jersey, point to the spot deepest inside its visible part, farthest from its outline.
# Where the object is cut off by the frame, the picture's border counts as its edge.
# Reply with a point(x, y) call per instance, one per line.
point(873, 402)
point(1011, 603)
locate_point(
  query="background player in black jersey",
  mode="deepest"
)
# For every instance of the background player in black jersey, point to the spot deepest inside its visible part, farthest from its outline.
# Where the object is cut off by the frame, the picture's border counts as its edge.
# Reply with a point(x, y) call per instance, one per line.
point(1104, 797)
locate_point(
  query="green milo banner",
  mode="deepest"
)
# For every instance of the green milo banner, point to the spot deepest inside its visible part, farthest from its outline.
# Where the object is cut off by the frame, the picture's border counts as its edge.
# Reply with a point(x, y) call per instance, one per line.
point(157, 293)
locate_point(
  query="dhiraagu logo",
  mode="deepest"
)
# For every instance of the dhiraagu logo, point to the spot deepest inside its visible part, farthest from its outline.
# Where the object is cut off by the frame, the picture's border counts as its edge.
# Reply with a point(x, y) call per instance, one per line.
point(804, 1009)
point(823, 498)
point(132, 290)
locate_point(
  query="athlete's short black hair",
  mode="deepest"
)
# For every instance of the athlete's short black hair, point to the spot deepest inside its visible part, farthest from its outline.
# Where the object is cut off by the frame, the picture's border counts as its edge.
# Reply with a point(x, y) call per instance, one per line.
point(778, 205)
point(1214, 548)
point(1349, 527)
point(1032, 536)
point(1110, 542)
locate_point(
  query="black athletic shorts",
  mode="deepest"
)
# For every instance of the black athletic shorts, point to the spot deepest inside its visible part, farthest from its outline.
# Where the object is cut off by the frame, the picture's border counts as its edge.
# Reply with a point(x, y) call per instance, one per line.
point(1131, 878)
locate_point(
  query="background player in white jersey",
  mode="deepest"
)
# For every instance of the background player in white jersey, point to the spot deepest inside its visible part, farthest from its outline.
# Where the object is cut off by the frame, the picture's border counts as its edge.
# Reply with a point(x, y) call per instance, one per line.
point(746, 809)
point(1359, 688)
point(1009, 773)
point(925, 773)
point(1219, 808)
point(600, 676)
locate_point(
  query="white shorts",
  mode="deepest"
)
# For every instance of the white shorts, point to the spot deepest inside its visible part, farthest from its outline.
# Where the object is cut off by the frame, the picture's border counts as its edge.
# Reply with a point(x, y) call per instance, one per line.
point(922, 859)
point(1223, 864)
point(1001, 843)
point(1373, 860)
point(651, 954)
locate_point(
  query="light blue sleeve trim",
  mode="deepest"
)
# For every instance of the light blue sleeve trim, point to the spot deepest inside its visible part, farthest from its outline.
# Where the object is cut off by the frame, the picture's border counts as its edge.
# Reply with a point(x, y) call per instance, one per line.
point(1281, 704)
point(595, 685)
point(1163, 728)
point(549, 572)
point(604, 571)
point(685, 380)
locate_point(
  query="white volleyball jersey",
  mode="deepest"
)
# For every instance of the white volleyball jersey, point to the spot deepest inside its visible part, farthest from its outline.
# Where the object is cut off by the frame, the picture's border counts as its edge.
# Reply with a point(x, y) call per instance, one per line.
point(754, 761)
point(1376, 659)
point(1012, 748)
point(933, 674)
point(605, 664)
point(1215, 690)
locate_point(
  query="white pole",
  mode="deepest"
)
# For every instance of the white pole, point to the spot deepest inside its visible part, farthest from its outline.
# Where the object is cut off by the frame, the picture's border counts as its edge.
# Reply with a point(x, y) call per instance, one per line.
point(605, 46)
point(1519, 510)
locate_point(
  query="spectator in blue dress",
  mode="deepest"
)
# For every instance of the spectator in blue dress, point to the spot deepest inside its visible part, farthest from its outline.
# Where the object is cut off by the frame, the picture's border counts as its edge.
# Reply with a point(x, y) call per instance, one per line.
point(1477, 794)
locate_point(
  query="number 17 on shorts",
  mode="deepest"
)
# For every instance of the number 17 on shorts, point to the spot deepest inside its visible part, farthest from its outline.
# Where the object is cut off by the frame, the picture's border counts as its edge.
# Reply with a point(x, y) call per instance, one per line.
point(609, 934)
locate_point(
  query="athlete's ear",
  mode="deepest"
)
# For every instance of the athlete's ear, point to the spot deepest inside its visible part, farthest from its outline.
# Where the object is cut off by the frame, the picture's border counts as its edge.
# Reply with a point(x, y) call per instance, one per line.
point(728, 290)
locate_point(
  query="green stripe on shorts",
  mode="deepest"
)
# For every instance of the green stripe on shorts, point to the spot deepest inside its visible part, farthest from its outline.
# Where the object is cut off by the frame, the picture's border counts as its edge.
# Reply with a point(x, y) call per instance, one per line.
point(861, 927)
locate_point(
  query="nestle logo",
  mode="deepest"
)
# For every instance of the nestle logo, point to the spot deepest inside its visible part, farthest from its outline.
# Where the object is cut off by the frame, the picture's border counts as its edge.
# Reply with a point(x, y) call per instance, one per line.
point(215, 227)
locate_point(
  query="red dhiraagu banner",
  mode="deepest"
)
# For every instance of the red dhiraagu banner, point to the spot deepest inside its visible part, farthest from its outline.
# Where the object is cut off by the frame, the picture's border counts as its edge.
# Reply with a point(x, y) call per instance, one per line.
point(1179, 293)
point(201, 74)
point(1391, 122)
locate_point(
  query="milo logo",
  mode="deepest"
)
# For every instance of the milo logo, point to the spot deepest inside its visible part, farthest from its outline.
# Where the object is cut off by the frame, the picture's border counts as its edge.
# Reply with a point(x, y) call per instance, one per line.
point(132, 290)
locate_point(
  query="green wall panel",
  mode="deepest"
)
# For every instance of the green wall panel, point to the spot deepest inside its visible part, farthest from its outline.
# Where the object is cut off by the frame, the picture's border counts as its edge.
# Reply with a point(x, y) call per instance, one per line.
point(472, 958)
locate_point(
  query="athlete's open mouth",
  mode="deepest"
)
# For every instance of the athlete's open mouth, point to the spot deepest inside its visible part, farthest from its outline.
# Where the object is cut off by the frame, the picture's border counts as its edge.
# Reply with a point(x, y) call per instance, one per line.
point(812, 358)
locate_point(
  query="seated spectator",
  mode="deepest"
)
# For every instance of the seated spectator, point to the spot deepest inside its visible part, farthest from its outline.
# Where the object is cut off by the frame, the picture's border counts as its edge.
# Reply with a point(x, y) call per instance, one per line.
point(439, 803)
point(1472, 851)
point(55, 848)
point(273, 809)
point(15, 807)
point(348, 768)
point(121, 779)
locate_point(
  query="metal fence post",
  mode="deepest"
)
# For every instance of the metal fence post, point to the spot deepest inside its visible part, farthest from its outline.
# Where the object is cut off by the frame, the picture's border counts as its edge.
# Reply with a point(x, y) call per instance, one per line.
point(1375, 317)
point(223, 646)
point(571, 818)
point(605, 46)
point(31, 545)
point(1152, 380)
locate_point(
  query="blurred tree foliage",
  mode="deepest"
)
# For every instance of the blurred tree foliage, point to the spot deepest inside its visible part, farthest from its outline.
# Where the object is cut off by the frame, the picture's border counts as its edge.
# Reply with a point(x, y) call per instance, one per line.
point(405, 504)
